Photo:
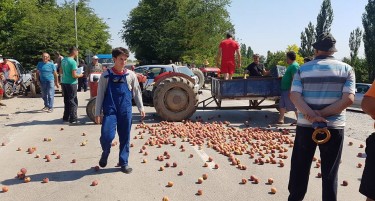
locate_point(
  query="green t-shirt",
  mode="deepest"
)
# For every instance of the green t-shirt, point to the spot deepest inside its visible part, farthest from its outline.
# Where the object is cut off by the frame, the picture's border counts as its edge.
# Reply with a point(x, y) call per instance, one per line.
point(68, 65)
point(286, 82)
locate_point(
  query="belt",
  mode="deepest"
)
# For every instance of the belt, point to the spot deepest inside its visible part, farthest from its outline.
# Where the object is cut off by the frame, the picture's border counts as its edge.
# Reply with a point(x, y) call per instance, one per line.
point(321, 128)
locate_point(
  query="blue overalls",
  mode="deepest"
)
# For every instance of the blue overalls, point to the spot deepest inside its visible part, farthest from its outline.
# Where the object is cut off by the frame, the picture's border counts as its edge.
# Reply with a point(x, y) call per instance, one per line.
point(117, 110)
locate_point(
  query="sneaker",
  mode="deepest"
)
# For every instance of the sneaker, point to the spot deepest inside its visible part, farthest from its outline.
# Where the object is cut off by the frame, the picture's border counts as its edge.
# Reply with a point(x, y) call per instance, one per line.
point(126, 169)
point(45, 109)
point(50, 110)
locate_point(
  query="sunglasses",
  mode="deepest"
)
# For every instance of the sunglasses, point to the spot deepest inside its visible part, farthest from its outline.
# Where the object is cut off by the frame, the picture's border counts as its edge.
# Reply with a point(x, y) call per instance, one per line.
point(119, 80)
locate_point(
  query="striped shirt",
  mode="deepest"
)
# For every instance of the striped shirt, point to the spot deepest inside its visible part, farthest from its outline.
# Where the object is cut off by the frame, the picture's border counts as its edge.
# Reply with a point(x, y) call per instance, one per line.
point(322, 82)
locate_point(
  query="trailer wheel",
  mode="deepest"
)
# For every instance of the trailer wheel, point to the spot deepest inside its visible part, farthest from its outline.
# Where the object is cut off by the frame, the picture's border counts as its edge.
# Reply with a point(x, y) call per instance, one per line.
point(8, 90)
point(90, 109)
point(200, 76)
point(174, 99)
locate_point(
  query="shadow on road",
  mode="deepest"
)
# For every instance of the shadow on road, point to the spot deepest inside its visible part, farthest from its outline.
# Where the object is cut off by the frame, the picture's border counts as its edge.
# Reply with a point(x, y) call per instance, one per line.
point(63, 176)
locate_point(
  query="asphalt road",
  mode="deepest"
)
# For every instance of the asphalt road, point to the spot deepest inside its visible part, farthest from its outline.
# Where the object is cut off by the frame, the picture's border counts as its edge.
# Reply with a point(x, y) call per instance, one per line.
point(23, 125)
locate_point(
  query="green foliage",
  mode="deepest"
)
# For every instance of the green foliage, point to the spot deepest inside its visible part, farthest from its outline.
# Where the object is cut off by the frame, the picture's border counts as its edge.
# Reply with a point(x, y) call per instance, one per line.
point(36, 26)
point(178, 30)
point(279, 57)
point(354, 44)
point(325, 18)
point(368, 21)
point(307, 40)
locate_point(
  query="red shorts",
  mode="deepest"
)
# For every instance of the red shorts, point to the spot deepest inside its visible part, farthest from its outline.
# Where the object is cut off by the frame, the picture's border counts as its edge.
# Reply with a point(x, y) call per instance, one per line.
point(227, 67)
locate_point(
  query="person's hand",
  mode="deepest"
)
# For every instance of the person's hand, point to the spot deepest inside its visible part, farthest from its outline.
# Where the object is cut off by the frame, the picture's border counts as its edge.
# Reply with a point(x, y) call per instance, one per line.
point(143, 114)
point(98, 119)
point(57, 85)
point(313, 119)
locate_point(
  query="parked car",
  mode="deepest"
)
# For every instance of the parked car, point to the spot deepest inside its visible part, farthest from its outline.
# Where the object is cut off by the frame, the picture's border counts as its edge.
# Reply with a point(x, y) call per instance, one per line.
point(360, 90)
point(153, 72)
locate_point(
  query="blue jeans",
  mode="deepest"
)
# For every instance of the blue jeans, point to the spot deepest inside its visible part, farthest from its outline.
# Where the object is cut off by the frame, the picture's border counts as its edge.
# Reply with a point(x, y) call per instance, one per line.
point(48, 93)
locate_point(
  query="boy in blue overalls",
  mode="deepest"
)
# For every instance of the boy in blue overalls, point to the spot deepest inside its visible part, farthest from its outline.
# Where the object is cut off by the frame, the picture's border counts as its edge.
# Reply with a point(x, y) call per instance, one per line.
point(117, 86)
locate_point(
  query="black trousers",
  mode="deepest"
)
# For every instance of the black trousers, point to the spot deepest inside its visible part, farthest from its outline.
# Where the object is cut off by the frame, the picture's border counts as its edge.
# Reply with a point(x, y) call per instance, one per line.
point(303, 153)
point(82, 83)
point(70, 102)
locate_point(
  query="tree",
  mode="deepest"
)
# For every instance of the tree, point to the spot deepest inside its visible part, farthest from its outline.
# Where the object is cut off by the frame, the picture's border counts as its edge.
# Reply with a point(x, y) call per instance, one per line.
point(368, 21)
point(324, 19)
point(249, 53)
point(354, 44)
point(307, 40)
point(188, 30)
point(279, 57)
point(36, 26)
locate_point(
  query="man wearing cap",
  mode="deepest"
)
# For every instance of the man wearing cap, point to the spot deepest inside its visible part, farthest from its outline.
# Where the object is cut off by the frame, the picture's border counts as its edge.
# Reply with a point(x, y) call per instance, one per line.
point(95, 65)
point(321, 90)
point(227, 50)
point(367, 187)
point(256, 68)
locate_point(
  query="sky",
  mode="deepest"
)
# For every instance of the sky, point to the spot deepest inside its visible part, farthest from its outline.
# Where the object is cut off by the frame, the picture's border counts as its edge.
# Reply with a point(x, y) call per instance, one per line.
point(262, 24)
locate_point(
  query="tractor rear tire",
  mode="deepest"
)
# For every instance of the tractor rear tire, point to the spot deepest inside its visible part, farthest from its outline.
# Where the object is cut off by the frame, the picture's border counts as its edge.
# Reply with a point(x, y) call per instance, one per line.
point(8, 90)
point(174, 99)
point(200, 76)
point(90, 109)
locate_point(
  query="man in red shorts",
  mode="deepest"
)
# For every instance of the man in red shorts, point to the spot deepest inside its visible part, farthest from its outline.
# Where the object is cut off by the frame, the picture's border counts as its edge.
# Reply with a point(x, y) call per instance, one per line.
point(227, 50)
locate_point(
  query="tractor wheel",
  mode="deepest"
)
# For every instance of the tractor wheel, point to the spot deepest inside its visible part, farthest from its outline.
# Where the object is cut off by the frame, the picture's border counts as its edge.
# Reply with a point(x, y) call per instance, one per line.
point(200, 76)
point(8, 90)
point(90, 109)
point(175, 99)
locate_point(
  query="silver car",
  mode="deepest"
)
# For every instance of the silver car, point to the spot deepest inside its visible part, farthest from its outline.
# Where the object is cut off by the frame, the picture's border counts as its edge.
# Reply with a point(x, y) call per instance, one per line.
point(151, 71)
point(360, 90)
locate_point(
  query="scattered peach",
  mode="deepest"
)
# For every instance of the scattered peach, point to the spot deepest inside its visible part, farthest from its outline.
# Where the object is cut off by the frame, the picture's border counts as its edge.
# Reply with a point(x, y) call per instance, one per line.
point(96, 168)
point(273, 190)
point(191, 156)
point(200, 180)
point(94, 183)
point(345, 183)
point(200, 192)
point(61, 129)
point(19, 149)
point(165, 198)
point(359, 165)
point(350, 143)
point(58, 156)
point(319, 175)
point(270, 181)
point(361, 146)
point(210, 159)
point(205, 176)
point(83, 134)
point(161, 168)
point(5, 189)
point(167, 165)
point(181, 173)
point(27, 179)
point(37, 156)
point(243, 181)
point(174, 164)
point(45, 180)
point(170, 184)
point(3, 144)
point(23, 170)
point(216, 166)
point(74, 161)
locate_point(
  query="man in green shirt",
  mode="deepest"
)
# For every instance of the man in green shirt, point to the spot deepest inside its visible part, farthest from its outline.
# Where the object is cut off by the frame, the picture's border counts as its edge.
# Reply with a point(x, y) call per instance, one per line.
point(69, 85)
point(286, 104)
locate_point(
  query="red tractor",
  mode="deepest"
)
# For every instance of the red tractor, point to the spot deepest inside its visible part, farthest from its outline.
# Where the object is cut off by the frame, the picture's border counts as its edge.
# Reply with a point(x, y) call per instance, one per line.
point(172, 90)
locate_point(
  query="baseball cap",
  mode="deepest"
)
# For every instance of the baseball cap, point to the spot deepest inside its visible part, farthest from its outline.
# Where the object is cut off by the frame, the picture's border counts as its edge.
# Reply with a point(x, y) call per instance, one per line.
point(95, 57)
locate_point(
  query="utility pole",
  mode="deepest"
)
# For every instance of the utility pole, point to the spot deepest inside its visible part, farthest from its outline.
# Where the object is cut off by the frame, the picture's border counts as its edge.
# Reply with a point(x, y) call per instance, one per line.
point(75, 24)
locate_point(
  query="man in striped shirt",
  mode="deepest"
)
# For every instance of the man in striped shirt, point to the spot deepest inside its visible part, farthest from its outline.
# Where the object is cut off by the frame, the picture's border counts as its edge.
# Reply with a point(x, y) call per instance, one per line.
point(321, 91)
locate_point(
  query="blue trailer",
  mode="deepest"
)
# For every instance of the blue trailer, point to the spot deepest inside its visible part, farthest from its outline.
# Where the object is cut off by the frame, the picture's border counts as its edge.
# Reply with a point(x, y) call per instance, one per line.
point(254, 89)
